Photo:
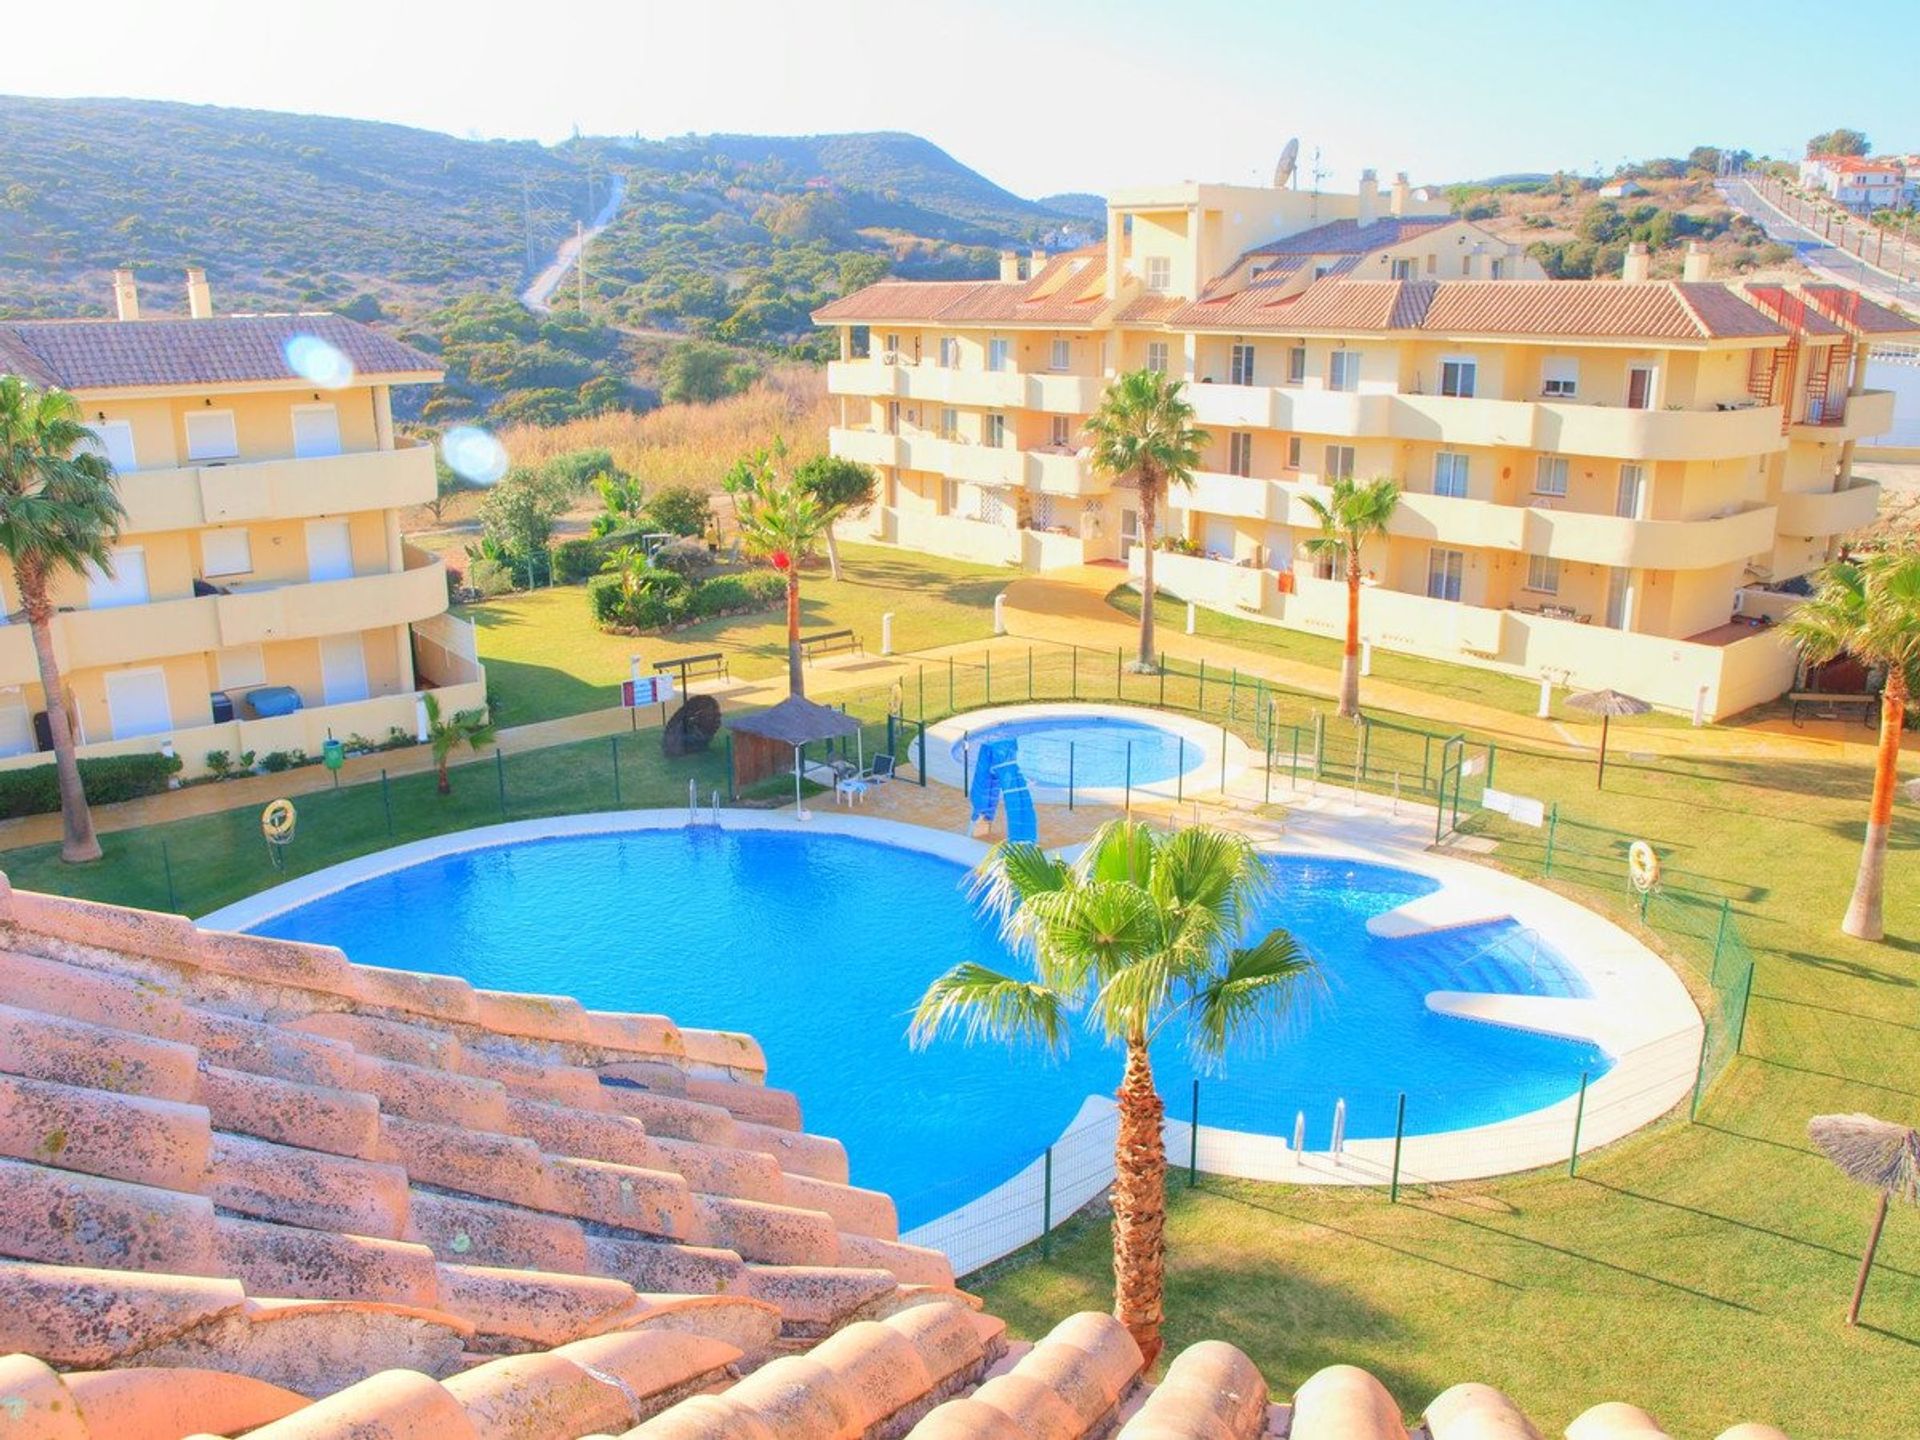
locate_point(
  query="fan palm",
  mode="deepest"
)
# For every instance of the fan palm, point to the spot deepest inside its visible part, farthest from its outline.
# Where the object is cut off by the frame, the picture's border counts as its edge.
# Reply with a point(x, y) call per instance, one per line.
point(782, 522)
point(1143, 432)
point(1880, 1155)
point(1353, 513)
point(59, 513)
point(1143, 933)
point(471, 728)
point(1870, 609)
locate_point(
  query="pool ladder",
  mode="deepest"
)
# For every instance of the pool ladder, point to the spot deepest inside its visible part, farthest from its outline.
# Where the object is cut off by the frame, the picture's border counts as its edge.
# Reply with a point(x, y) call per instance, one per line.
point(693, 805)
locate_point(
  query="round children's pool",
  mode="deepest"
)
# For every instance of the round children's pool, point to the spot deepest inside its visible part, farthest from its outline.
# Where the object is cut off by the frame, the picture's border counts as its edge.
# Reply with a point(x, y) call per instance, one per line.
point(819, 944)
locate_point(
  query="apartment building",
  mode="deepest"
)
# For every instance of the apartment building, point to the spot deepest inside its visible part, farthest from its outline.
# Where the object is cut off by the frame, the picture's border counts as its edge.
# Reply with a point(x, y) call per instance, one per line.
point(1860, 183)
point(260, 597)
point(1611, 482)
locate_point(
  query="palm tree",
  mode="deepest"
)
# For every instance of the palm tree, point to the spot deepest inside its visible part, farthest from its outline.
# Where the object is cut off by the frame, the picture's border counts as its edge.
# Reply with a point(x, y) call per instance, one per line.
point(471, 728)
point(1143, 932)
point(1880, 1155)
point(1143, 432)
point(1869, 608)
point(1352, 514)
point(58, 513)
point(781, 522)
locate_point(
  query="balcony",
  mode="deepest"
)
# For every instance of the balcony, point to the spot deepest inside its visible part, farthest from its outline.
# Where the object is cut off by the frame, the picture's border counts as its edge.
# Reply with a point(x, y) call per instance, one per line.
point(1818, 513)
point(1600, 430)
point(1450, 520)
point(1703, 544)
point(1213, 493)
point(1268, 407)
point(130, 634)
point(192, 496)
point(1868, 414)
point(1063, 473)
point(986, 389)
point(869, 447)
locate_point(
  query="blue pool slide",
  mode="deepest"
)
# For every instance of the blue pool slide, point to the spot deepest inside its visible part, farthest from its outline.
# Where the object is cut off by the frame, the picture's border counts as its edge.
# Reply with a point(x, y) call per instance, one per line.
point(996, 775)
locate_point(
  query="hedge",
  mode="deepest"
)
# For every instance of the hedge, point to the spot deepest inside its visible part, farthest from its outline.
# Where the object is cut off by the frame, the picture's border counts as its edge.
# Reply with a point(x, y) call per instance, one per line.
point(662, 602)
point(112, 778)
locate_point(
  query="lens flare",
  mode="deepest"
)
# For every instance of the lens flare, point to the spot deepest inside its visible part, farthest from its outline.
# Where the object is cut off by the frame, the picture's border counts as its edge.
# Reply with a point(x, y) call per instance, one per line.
point(473, 454)
point(313, 359)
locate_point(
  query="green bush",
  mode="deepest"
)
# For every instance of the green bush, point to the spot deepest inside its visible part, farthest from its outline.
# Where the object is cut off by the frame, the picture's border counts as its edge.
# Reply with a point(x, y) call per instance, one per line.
point(680, 510)
point(112, 778)
point(491, 577)
point(576, 559)
point(723, 592)
point(665, 599)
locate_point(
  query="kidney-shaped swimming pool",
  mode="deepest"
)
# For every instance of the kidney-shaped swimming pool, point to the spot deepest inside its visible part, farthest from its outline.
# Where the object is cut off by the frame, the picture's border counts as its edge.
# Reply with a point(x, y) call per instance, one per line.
point(819, 945)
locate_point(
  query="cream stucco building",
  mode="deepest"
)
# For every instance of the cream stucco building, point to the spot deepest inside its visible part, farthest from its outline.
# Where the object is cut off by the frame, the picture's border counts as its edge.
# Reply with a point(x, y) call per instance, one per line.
point(261, 598)
point(1604, 481)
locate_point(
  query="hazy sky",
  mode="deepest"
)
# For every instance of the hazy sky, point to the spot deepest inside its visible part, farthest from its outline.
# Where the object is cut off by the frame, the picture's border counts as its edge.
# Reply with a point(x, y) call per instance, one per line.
point(1043, 95)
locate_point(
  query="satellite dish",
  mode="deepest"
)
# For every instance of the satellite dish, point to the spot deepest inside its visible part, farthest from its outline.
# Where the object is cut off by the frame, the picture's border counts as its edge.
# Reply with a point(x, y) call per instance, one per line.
point(1289, 158)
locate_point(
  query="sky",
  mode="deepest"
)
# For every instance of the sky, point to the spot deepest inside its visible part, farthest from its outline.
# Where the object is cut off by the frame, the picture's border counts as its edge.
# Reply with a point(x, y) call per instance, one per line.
point(1041, 96)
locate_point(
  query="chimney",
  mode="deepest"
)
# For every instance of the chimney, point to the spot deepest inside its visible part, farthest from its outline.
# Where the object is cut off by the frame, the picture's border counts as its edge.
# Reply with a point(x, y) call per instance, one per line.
point(1398, 204)
point(126, 295)
point(1036, 262)
point(199, 296)
point(1009, 266)
point(1638, 265)
point(1369, 198)
point(1697, 263)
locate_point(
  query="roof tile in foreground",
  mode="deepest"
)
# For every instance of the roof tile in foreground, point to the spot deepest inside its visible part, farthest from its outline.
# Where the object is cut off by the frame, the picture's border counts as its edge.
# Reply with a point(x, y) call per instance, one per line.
point(248, 1187)
point(220, 350)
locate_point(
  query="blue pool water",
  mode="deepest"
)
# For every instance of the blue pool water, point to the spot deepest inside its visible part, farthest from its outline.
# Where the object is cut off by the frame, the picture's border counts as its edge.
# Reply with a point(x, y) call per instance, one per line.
point(1094, 748)
point(819, 945)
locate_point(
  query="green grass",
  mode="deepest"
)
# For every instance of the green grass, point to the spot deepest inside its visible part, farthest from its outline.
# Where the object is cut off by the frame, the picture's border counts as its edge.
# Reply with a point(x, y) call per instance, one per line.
point(1700, 1270)
point(545, 658)
point(1435, 677)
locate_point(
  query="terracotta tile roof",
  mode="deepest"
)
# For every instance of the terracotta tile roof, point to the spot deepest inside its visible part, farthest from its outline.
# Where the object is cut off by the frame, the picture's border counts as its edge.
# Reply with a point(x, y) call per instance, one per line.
point(1350, 237)
point(1070, 289)
point(233, 349)
point(1858, 315)
point(1571, 309)
point(303, 1199)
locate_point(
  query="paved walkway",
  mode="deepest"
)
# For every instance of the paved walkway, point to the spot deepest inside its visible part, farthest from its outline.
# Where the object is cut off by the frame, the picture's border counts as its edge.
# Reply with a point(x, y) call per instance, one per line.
point(1064, 607)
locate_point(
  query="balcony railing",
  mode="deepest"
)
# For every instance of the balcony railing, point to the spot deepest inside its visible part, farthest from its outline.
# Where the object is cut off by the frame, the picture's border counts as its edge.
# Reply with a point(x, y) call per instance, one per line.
point(1818, 513)
point(193, 496)
point(932, 384)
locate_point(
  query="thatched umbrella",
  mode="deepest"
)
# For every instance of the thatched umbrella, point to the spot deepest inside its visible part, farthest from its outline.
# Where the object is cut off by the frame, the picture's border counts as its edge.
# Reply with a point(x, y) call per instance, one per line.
point(1879, 1154)
point(1606, 704)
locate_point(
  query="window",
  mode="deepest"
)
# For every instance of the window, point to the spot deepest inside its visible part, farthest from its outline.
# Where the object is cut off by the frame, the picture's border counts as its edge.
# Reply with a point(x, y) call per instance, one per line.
point(1640, 387)
point(1403, 269)
point(1339, 463)
point(1343, 370)
point(1543, 574)
point(1240, 366)
point(1061, 357)
point(1293, 452)
point(1062, 432)
point(1626, 500)
point(1433, 263)
point(316, 431)
point(1466, 264)
point(225, 552)
point(893, 347)
point(950, 497)
point(113, 441)
point(996, 430)
point(1560, 377)
point(997, 351)
point(1157, 356)
point(893, 417)
point(1297, 365)
point(1331, 563)
point(1159, 272)
point(126, 585)
point(1450, 474)
point(1445, 571)
point(1550, 475)
point(210, 435)
point(1240, 452)
point(1497, 269)
point(240, 668)
point(949, 423)
point(1322, 269)
point(949, 353)
point(1457, 378)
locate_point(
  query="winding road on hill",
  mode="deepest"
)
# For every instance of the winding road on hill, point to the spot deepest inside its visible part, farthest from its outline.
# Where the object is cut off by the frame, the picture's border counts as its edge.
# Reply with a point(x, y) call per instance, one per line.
point(538, 296)
point(1813, 250)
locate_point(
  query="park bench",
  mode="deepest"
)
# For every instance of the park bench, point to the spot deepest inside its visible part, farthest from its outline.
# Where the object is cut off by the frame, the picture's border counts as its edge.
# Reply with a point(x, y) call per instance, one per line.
point(831, 640)
point(1828, 707)
point(687, 666)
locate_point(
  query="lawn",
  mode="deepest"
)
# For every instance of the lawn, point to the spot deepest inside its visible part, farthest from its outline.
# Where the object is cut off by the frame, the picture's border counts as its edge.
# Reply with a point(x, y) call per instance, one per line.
point(1702, 1270)
point(545, 658)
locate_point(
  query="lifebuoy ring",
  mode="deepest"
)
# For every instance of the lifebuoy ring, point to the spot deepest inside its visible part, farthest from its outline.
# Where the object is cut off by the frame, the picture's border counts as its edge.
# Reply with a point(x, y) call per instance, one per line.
point(277, 821)
point(1643, 866)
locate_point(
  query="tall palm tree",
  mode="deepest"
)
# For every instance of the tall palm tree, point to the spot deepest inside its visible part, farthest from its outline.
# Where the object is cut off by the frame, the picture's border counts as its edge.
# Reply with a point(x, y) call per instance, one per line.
point(1869, 608)
point(1144, 933)
point(1144, 432)
point(1880, 1155)
point(58, 513)
point(1353, 513)
point(782, 522)
point(471, 728)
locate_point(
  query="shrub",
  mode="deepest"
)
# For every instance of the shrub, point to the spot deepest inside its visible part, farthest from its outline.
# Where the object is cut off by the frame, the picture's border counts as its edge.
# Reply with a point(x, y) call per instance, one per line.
point(274, 761)
point(685, 557)
point(574, 560)
point(720, 594)
point(605, 599)
point(491, 577)
point(220, 764)
point(680, 510)
point(765, 587)
point(112, 778)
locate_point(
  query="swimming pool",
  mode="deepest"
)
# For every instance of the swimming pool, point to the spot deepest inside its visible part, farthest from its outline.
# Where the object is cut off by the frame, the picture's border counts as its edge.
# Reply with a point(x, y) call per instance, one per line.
point(1102, 751)
point(819, 945)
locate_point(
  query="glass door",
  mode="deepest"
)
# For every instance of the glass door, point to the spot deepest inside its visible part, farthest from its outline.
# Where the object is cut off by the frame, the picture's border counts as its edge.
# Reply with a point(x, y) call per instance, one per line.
point(1626, 504)
point(1446, 569)
point(1640, 387)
